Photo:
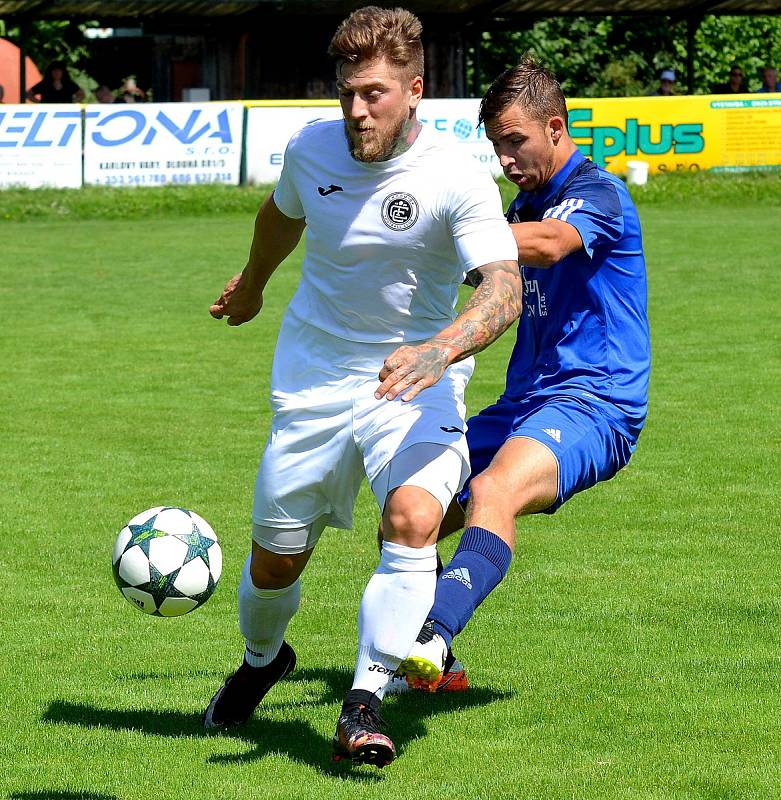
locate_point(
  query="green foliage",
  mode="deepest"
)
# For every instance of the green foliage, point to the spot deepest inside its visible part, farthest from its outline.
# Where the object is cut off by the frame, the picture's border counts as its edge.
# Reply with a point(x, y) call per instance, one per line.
point(592, 57)
point(55, 40)
point(620, 55)
point(51, 40)
point(751, 42)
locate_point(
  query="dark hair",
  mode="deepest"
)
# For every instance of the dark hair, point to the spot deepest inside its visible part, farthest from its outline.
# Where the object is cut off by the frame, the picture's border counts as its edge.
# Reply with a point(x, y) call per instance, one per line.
point(47, 73)
point(371, 32)
point(531, 86)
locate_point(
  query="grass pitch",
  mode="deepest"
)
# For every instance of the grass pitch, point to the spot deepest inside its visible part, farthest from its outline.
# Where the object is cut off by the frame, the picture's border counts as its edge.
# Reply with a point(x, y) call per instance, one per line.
point(634, 650)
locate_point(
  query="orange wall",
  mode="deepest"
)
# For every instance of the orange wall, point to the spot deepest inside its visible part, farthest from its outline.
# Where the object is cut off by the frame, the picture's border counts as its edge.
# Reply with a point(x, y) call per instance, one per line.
point(9, 71)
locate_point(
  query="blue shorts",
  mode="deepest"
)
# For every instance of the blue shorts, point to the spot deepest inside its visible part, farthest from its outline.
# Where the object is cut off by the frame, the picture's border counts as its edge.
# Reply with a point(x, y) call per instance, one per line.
point(587, 449)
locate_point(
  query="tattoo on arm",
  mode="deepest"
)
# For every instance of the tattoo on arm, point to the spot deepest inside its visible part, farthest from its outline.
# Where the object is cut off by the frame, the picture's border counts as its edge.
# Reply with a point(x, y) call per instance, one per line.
point(495, 304)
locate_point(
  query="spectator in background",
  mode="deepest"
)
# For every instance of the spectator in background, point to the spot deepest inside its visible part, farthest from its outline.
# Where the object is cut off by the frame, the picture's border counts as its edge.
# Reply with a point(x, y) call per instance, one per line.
point(104, 95)
point(2, 94)
point(735, 84)
point(317, 89)
point(130, 92)
point(769, 80)
point(666, 83)
point(56, 86)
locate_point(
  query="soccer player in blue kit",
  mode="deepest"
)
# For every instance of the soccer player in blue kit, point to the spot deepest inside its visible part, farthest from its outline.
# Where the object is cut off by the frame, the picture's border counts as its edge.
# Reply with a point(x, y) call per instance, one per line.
point(577, 382)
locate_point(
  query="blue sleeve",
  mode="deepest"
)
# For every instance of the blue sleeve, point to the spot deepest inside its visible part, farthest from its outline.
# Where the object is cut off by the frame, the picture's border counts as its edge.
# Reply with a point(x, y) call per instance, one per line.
point(513, 210)
point(593, 208)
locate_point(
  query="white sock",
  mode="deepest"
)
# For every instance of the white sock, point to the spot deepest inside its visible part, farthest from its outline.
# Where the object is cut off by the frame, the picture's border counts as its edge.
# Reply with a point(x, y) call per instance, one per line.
point(264, 615)
point(393, 609)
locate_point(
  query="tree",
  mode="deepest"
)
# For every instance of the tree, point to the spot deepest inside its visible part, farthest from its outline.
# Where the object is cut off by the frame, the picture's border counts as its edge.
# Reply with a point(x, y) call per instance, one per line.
point(620, 55)
point(55, 40)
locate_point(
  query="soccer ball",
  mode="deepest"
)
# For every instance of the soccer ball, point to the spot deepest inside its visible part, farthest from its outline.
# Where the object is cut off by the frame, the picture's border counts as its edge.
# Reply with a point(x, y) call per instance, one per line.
point(167, 561)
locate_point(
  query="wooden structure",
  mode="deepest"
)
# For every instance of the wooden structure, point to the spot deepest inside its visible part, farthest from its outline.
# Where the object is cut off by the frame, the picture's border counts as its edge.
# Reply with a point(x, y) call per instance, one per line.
point(252, 49)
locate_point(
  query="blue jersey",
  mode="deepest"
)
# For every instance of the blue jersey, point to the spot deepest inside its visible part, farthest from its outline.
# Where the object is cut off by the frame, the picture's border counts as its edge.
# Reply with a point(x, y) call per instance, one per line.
point(584, 327)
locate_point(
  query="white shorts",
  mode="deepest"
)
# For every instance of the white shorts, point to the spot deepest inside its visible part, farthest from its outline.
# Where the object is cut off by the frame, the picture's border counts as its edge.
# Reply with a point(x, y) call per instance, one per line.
point(328, 431)
point(423, 465)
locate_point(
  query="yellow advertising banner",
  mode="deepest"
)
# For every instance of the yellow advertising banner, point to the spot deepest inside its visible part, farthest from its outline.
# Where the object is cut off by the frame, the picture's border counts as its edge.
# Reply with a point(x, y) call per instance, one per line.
point(727, 133)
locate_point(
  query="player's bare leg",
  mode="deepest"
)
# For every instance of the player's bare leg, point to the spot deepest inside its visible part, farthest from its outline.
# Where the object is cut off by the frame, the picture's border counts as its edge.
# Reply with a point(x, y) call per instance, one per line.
point(521, 479)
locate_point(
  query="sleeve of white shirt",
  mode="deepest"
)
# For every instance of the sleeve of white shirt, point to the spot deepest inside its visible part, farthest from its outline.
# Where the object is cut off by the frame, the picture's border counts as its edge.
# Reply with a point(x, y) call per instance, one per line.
point(286, 197)
point(480, 231)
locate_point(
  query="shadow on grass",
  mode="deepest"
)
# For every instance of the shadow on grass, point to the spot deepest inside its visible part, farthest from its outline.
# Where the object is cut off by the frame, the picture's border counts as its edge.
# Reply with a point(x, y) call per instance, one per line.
point(58, 794)
point(407, 717)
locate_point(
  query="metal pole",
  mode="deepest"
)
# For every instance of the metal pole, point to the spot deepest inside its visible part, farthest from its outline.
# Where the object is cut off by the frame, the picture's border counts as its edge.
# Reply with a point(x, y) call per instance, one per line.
point(692, 24)
point(22, 60)
point(476, 76)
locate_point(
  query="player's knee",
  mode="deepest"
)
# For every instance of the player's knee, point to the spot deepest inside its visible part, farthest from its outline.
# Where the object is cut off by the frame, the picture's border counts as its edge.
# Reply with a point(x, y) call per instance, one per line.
point(412, 523)
point(519, 497)
point(487, 488)
point(272, 570)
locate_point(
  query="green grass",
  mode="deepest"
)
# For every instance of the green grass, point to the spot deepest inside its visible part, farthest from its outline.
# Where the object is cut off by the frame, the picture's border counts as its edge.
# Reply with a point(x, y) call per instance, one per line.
point(634, 651)
point(140, 204)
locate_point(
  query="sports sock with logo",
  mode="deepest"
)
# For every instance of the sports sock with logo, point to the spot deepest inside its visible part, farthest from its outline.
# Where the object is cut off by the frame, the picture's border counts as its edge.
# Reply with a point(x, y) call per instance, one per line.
point(480, 562)
point(264, 615)
point(393, 609)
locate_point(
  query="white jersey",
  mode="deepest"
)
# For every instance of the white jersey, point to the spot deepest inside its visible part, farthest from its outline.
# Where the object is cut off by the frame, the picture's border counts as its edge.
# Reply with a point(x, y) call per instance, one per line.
point(389, 242)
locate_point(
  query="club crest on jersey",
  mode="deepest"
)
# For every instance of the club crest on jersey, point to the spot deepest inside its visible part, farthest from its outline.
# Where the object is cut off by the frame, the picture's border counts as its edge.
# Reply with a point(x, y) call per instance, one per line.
point(399, 211)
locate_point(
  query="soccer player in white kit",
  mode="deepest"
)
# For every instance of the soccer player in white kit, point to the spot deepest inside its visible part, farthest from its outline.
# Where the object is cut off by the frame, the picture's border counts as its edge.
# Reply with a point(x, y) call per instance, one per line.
point(371, 362)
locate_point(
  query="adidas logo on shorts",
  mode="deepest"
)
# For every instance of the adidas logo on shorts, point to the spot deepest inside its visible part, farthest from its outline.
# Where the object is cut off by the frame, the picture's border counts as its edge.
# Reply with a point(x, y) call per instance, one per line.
point(460, 574)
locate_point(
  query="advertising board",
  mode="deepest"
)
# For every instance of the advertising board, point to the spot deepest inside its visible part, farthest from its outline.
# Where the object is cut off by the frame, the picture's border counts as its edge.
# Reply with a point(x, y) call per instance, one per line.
point(156, 144)
point(691, 133)
point(675, 134)
point(40, 145)
point(270, 126)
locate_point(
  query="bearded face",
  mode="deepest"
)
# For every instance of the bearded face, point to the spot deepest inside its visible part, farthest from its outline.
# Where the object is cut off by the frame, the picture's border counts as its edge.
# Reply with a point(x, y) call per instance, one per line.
point(377, 104)
point(368, 143)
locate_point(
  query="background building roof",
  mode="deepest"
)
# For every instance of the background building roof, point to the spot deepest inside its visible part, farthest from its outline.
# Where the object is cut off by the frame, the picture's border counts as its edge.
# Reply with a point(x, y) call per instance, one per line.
point(480, 9)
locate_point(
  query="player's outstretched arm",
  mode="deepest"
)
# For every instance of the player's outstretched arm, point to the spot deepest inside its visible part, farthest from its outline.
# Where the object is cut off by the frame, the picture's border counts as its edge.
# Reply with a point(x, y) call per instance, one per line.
point(495, 304)
point(543, 244)
point(275, 237)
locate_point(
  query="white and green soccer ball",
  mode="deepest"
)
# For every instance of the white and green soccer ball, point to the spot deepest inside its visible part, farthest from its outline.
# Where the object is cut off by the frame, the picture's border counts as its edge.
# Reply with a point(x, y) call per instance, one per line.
point(167, 561)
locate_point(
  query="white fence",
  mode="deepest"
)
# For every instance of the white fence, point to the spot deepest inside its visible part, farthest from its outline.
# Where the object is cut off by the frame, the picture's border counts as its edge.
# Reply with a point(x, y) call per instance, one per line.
point(158, 144)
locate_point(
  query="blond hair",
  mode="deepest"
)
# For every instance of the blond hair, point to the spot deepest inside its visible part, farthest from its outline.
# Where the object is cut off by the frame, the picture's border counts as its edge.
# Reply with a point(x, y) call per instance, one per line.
point(371, 33)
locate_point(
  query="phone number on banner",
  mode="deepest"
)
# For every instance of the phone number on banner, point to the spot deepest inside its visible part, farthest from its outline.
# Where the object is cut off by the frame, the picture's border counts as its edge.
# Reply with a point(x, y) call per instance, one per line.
point(157, 179)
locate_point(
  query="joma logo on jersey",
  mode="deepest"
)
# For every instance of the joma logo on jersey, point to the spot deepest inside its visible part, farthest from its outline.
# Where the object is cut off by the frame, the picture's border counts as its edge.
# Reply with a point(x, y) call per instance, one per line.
point(399, 211)
point(121, 127)
point(602, 142)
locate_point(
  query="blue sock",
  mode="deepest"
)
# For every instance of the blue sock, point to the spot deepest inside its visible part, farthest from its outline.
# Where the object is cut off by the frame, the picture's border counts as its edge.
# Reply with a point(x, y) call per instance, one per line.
point(480, 562)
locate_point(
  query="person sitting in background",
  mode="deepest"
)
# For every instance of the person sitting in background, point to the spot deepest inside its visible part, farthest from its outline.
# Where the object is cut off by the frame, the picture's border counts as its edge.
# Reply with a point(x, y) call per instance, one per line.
point(770, 80)
point(104, 95)
point(56, 86)
point(666, 83)
point(130, 92)
point(735, 84)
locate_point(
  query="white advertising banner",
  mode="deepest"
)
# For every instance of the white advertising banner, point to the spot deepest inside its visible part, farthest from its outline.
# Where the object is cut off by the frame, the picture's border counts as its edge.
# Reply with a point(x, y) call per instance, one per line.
point(269, 129)
point(456, 122)
point(158, 144)
point(40, 145)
